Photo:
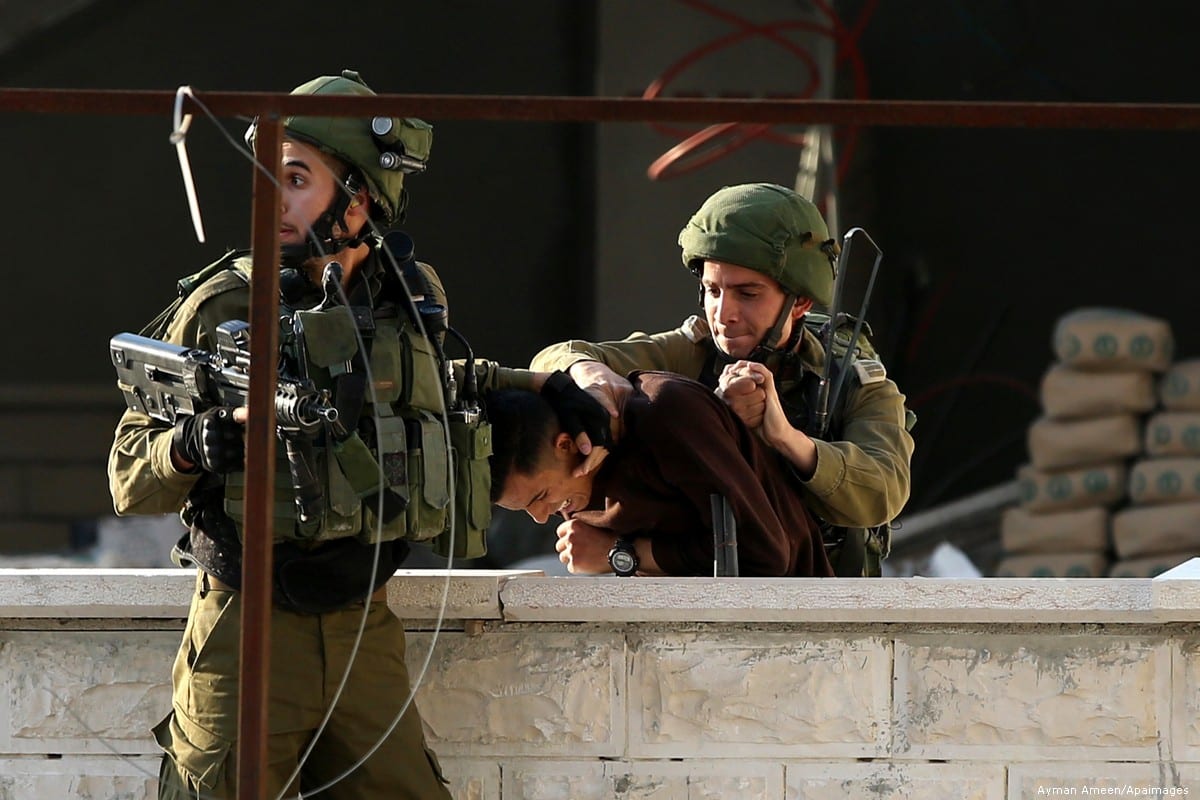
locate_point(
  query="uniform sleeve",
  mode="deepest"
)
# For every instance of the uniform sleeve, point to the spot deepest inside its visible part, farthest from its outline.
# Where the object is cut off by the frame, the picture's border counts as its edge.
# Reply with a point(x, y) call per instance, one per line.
point(862, 480)
point(670, 351)
point(681, 351)
point(141, 477)
point(490, 375)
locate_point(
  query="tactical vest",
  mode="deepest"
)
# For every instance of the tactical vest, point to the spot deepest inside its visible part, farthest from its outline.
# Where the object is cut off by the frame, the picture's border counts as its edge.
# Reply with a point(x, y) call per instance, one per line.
point(394, 476)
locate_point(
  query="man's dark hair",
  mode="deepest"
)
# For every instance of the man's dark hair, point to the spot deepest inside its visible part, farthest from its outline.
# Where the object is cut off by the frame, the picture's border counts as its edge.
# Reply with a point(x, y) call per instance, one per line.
point(523, 426)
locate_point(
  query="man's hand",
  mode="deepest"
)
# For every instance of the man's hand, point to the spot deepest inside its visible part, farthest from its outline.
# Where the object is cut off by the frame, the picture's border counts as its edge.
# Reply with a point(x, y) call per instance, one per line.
point(584, 548)
point(597, 379)
point(582, 416)
point(741, 387)
point(213, 440)
point(611, 391)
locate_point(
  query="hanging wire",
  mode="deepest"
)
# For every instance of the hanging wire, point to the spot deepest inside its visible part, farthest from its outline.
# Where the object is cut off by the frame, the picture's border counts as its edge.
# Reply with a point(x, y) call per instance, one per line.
point(181, 123)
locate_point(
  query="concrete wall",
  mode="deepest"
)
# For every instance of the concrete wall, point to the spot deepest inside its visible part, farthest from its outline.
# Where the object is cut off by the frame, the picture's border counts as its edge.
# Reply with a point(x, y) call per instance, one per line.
point(676, 688)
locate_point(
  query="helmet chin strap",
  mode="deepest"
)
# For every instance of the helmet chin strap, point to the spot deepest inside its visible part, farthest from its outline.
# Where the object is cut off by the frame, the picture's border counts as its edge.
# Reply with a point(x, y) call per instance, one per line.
point(767, 350)
point(765, 353)
point(320, 240)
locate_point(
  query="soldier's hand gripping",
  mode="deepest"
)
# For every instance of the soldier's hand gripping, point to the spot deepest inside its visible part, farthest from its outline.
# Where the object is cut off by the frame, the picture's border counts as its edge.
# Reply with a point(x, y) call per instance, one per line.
point(611, 390)
point(582, 416)
point(745, 381)
point(601, 382)
point(741, 387)
point(776, 428)
point(213, 440)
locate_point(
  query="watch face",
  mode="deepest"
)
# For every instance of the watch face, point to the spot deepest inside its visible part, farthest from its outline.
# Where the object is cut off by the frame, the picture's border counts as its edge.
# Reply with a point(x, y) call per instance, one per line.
point(623, 562)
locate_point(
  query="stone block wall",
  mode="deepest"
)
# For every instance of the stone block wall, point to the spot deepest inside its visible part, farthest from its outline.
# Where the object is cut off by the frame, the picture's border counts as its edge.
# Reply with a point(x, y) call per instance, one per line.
point(811, 712)
point(1024, 704)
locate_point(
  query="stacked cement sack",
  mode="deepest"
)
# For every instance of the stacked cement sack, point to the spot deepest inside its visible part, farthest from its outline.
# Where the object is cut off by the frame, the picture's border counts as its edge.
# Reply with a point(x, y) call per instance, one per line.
point(1161, 527)
point(1094, 399)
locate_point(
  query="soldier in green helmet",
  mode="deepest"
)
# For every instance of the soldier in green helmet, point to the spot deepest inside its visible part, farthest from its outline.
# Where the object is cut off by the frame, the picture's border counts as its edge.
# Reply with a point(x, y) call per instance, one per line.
point(403, 446)
point(764, 259)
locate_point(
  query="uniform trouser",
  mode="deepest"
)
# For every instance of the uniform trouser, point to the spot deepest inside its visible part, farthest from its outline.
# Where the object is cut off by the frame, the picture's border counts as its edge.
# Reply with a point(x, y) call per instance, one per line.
point(309, 654)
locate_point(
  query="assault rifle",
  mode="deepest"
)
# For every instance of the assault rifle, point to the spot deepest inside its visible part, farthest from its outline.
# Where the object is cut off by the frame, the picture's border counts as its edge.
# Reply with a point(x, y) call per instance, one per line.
point(165, 381)
point(853, 541)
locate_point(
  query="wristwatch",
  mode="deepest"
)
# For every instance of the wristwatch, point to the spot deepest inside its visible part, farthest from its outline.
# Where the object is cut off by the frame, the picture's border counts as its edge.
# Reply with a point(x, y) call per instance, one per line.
point(623, 557)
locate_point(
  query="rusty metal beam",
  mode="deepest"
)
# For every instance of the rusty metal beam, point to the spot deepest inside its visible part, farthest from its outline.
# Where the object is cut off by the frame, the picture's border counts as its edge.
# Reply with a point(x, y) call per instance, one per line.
point(883, 113)
point(257, 554)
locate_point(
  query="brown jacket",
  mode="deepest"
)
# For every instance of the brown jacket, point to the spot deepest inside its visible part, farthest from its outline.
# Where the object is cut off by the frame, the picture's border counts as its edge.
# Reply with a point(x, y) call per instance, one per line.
point(679, 445)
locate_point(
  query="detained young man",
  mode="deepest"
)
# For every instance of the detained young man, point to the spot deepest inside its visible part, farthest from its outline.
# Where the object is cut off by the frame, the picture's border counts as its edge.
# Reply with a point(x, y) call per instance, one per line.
point(677, 445)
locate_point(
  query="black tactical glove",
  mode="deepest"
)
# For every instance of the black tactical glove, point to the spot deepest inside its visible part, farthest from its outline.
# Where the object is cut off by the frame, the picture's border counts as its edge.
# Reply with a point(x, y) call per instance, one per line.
point(213, 440)
point(577, 410)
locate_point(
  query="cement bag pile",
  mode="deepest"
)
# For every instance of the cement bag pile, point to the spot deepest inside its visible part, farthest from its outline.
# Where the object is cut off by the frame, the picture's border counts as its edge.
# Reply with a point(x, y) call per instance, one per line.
point(1095, 398)
point(1161, 527)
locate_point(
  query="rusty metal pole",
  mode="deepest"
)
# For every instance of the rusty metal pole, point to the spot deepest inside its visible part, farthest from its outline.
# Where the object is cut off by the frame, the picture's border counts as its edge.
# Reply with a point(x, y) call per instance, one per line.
point(255, 663)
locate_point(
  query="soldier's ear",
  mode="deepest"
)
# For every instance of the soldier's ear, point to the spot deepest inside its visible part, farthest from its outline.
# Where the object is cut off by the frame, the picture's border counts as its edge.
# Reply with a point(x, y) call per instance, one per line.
point(801, 307)
point(358, 211)
point(360, 201)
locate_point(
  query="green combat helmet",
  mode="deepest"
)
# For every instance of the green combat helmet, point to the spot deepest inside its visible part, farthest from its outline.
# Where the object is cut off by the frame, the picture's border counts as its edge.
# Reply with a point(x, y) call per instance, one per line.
point(379, 153)
point(383, 149)
point(766, 228)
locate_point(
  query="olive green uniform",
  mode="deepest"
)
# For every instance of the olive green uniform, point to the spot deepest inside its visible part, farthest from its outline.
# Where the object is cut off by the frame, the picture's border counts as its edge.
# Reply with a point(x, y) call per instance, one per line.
point(309, 655)
point(309, 651)
point(861, 480)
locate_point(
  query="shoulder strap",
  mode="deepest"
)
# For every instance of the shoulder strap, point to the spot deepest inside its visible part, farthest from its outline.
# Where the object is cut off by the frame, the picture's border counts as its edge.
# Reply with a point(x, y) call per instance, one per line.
point(811, 385)
point(188, 284)
point(157, 327)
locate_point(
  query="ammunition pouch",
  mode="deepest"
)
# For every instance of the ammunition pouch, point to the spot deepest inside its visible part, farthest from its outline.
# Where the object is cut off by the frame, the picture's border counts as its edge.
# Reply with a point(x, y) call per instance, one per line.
point(341, 516)
point(428, 470)
point(391, 477)
point(472, 444)
point(307, 579)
